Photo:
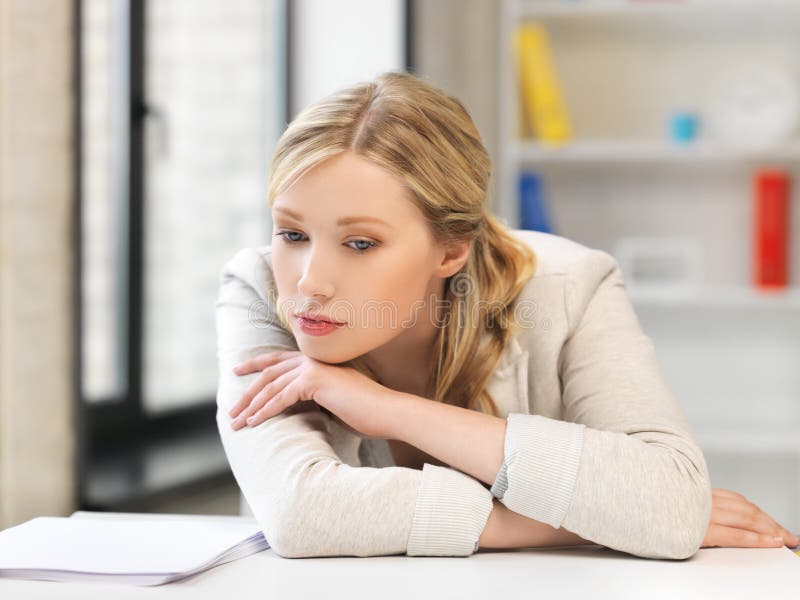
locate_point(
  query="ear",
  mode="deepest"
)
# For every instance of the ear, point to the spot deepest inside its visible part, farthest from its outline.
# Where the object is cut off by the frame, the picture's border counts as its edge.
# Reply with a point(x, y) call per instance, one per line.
point(455, 256)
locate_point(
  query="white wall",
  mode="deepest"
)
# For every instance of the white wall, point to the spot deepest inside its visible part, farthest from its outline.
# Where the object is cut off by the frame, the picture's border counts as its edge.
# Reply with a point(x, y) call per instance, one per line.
point(336, 44)
point(37, 438)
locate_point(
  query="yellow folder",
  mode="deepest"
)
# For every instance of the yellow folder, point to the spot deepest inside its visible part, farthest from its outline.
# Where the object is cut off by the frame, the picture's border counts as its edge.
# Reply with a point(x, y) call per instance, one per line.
point(543, 107)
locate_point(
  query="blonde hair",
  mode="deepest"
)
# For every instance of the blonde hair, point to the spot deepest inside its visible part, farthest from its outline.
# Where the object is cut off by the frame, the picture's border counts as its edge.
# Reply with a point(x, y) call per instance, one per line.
point(428, 140)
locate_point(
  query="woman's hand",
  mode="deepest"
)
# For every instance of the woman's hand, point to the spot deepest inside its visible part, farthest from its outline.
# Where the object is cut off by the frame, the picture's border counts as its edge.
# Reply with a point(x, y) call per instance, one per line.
point(289, 376)
point(738, 523)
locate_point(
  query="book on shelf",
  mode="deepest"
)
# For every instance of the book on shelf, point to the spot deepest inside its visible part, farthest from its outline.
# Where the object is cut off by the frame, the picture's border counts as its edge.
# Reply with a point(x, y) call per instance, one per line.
point(771, 192)
point(533, 211)
point(544, 110)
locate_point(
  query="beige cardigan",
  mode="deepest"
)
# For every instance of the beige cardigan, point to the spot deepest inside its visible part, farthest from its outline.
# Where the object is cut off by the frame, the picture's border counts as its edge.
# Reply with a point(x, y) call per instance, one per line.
point(596, 441)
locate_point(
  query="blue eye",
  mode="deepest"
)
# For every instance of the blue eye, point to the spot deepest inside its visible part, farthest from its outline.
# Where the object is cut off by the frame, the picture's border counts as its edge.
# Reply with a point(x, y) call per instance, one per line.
point(284, 235)
point(362, 250)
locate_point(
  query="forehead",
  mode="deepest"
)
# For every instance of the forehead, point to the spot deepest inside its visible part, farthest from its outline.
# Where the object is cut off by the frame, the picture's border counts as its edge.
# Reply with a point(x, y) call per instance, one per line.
point(341, 221)
point(350, 188)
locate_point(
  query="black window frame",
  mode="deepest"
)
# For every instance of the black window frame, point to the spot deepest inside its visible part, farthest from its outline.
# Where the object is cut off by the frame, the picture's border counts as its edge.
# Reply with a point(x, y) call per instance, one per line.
point(117, 429)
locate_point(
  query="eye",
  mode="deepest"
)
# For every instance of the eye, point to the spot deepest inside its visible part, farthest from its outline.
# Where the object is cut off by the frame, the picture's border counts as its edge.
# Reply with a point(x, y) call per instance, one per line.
point(361, 247)
point(361, 250)
point(284, 234)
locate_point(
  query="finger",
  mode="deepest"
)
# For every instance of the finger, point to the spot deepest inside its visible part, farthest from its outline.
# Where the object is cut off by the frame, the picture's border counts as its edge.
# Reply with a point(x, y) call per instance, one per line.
point(776, 528)
point(789, 538)
point(726, 493)
point(743, 519)
point(264, 398)
point(260, 362)
point(268, 374)
point(746, 515)
point(279, 402)
point(256, 363)
point(258, 384)
point(733, 537)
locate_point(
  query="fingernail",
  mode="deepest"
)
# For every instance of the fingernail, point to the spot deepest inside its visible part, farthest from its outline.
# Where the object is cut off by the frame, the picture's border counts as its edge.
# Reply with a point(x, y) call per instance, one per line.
point(251, 420)
point(778, 540)
point(235, 369)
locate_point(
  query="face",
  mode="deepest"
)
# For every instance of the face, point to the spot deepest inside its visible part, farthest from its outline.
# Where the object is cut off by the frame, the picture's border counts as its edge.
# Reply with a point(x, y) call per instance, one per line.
point(374, 275)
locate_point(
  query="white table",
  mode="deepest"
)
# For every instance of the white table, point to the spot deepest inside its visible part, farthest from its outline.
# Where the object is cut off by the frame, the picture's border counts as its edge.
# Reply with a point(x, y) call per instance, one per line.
point(578, 572)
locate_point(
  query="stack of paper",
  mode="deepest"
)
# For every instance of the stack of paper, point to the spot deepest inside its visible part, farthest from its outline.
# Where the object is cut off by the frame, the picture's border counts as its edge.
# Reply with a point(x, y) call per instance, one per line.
point(140, 549)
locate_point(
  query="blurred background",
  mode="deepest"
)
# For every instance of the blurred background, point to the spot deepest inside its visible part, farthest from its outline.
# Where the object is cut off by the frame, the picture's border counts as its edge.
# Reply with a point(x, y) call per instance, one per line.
point(135, 139)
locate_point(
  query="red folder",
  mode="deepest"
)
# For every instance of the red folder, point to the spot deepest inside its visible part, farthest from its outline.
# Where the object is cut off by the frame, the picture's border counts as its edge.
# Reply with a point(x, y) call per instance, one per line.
point(771, 190)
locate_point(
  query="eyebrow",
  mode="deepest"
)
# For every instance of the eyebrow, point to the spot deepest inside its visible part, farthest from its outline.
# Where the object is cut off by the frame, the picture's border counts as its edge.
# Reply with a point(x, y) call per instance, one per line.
point(341, 222)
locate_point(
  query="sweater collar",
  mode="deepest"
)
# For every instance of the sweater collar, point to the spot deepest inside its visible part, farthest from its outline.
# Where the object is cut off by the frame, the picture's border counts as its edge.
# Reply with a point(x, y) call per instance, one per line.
point(508, 384)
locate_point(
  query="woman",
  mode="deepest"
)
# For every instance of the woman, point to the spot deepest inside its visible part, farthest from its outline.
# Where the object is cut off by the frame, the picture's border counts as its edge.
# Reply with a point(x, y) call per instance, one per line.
point(400, 373)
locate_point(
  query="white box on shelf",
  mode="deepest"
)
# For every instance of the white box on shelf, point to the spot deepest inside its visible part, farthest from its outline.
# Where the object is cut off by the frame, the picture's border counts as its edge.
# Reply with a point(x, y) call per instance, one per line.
point(660, 264)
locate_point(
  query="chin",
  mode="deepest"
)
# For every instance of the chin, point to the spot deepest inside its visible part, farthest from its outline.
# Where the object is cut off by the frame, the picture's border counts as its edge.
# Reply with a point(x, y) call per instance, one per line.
point(331, 356)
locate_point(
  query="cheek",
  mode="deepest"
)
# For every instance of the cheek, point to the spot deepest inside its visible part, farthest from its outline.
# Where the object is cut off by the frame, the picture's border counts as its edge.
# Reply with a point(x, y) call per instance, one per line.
point(410, 279)
point(283, 270)
point(392, 297)
point(283, 274)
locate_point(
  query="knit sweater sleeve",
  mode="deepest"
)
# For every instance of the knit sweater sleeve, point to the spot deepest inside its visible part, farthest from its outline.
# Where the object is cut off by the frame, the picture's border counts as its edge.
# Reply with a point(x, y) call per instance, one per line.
point(622, 468)
point(306, 499)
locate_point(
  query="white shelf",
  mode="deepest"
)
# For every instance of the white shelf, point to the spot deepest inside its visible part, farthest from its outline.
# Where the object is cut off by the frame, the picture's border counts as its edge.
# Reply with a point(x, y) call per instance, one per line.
point(548, 8)
point(581, 8)
point(660, 56)
point(636, 151)
point(718, 297)
point(744, 441)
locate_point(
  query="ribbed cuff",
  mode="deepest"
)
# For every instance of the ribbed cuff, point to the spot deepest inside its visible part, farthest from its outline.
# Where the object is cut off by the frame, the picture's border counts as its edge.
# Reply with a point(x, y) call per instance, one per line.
point(451, 512)
point(540, 464)
point(500, 484)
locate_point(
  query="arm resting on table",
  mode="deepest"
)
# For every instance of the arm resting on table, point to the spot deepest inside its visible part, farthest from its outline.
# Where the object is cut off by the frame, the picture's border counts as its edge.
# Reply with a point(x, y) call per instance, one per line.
point(507, 529)
point(306, 499)
point(622, 467)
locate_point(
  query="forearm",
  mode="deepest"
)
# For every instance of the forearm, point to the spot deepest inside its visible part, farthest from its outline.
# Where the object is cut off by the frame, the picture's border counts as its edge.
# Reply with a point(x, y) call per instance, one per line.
point(507, 529)
point(464, 439)
point(473, 443)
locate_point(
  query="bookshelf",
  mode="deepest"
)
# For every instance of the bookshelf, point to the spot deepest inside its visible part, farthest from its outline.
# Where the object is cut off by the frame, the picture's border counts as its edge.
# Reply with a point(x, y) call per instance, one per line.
point(579, 8)
point(721, 297)
point(699, 154)
point(729, 351)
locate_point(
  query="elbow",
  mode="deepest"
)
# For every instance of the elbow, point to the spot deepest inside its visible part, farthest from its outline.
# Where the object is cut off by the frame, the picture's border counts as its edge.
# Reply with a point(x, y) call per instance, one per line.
point(281, 528)
point(691, 513)
point(284, 546)
point(295, 535)
point(696, 522)
point(286, 549)
point(286, 537)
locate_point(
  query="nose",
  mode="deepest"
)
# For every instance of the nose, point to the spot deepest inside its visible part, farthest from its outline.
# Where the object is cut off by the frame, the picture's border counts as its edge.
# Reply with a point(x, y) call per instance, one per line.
point(316, 279)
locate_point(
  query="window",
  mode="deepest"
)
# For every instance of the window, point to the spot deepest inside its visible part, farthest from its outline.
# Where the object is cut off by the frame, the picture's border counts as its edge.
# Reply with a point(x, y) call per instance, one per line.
point(181, 105)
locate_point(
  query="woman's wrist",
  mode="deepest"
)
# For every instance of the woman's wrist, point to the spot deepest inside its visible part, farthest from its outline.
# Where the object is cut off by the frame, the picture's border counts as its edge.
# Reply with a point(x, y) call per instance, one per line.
point(507, 529)
point(392, 415)
point(493, 535)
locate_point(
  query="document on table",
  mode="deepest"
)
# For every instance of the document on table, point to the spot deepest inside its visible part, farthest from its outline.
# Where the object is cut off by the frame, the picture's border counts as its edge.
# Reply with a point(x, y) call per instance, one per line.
point(141, 549)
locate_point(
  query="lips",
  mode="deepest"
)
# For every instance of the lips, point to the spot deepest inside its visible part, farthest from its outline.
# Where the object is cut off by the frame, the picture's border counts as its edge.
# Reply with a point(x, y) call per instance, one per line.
point(319, 318)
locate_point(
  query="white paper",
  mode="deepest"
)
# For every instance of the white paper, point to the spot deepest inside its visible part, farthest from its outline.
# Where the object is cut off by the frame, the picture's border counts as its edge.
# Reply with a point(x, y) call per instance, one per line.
point(158, 548)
